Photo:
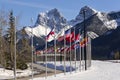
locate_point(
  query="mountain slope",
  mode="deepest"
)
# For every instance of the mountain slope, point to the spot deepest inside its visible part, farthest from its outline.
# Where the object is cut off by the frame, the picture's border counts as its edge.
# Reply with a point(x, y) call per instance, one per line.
point(104, 45)
point(80, 17)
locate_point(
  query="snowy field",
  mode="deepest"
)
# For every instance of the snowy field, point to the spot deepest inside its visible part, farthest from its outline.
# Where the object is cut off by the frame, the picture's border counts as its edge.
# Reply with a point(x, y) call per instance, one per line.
point(100, 70)
point(8, 74)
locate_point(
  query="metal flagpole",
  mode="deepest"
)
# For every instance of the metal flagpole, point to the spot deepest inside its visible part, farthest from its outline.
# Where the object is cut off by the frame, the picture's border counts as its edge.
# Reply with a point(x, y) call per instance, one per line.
point(55, 50)
point(84, 38)
point(75, 49)
point(15, 51)
point(86, 44)
point(32, 45)
point(64, 54)
point(83, 61)
point(90, 50)
point(70, 54)
point(80, 51)
point(46, 53)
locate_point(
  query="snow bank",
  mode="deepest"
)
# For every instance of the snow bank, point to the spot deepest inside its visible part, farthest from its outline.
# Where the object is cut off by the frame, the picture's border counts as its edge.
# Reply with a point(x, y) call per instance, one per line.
point(6, 74)
point(100, 70)
point(9, 74)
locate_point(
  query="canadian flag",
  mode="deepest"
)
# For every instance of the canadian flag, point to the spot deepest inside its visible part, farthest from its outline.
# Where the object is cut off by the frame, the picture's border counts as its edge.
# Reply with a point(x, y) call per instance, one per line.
point(51, 35)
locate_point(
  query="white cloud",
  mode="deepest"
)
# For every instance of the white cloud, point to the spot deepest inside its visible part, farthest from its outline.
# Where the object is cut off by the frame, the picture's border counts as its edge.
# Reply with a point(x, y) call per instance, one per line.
point(33, 5)
point(28, 4)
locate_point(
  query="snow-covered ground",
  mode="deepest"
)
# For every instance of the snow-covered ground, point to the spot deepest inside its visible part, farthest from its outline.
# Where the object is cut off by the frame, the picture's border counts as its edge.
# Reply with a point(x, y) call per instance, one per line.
point(100, 70)
point(8, 74)
point(60, 65)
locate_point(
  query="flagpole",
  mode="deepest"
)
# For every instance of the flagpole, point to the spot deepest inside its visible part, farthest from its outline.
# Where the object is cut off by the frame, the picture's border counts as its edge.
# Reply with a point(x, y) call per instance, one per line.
point(15, 51)
point(55, 51)
point(46, 53)
point(75, 50)
point(64, 53)
point(80, 51)
point(82, 57)
point(84, 29)
point(86, 41)
point(32, 45)
point(70, 55)
point(90, 50)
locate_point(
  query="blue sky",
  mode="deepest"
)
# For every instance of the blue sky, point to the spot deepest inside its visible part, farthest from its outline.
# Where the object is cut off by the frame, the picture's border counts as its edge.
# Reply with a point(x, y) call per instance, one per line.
point(28, 9)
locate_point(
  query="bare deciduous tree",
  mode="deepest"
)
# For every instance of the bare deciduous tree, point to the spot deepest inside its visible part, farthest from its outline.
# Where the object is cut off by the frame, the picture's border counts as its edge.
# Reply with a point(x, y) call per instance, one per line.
point(3, 24)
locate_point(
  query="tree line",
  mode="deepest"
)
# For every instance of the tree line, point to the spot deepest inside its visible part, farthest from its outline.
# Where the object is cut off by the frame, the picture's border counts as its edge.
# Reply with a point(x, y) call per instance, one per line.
point(9, 42)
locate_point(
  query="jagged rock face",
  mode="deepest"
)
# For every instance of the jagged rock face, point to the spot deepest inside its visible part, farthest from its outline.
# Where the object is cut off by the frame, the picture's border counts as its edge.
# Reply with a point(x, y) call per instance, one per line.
point(93, 24)
point(52, 18)
point(44, 23)
point(97, 22)
point(88, 12)
point(80, 17)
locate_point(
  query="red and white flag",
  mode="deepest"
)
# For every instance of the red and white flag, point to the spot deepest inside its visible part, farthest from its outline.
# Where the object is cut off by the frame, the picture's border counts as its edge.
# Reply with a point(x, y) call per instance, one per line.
point(51, 35)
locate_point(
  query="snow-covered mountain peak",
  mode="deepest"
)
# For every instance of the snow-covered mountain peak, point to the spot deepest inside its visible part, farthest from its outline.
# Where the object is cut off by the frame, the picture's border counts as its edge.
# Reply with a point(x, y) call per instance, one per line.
point(97, 23)
point(110, 24)
point(80, 17)
point(49, 20)
point(87, 8)
point(38, 31)
point(88, 12)
point(52, 18)
point(54, 13)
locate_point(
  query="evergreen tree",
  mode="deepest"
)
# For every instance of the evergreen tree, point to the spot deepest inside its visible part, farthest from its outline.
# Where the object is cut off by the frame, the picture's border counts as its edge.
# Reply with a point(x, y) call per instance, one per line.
point(11, 42)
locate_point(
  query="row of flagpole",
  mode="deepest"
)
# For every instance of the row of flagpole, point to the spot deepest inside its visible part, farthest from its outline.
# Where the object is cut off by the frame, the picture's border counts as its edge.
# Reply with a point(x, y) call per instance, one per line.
point(64, 54)
point(81, 52)
point(55, 55)
point(81, 49)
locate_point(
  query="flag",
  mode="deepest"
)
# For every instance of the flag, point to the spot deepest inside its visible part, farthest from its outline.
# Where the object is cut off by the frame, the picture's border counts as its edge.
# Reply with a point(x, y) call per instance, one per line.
point(73, 46)
point(60, 38)
point(77, 45)
point(68, 33)
point(60, 35)
point(67, 49)
point(84, 42)
point(60, 49)
point(39, 52)
point(69, 36)
point(51, 35)
point(72, 37)
point(63, 49)
point(77, 38)
point(49, 50)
